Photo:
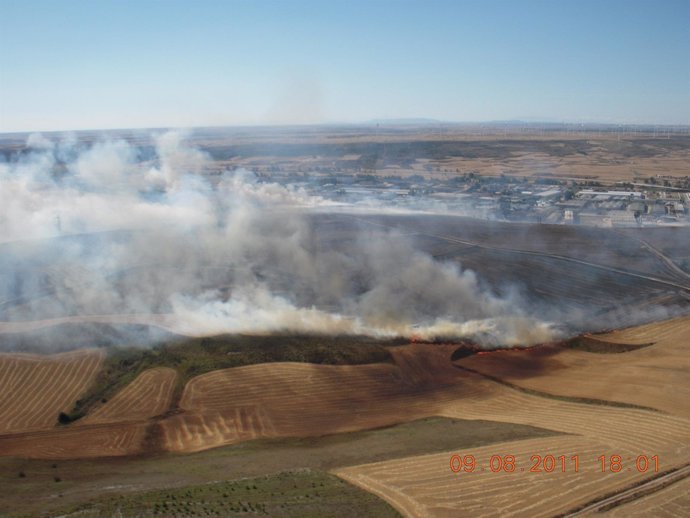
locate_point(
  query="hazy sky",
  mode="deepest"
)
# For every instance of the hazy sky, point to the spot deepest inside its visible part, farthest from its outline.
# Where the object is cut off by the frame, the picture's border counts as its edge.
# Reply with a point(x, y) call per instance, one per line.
point(138, 63)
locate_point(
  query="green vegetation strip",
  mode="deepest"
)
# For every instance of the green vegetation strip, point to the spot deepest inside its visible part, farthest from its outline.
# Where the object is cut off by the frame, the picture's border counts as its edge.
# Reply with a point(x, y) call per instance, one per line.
point(29, 487)
point(191, 357)
point(302, 493)
point(420, 437)
point(570, 399)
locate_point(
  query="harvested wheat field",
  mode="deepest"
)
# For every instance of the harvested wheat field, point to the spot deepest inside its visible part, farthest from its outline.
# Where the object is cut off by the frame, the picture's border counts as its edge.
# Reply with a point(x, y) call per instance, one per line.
point(265, 400)
point(301, 400)
point(656, 375)
point(119, 427)
point(149, 395)
point(67, 442)
point(287, 399)
point(672, 501)
point(34, 389)
point(425, 485)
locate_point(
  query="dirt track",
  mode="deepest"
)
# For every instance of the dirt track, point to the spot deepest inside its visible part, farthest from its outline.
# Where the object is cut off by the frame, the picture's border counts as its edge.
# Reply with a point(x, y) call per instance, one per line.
point(672, 501)
point(634, 493)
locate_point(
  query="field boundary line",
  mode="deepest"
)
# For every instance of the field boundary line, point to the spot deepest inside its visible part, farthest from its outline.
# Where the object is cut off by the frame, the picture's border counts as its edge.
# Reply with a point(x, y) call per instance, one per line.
point(558, 397)
point(631, 493)
point(680, 274)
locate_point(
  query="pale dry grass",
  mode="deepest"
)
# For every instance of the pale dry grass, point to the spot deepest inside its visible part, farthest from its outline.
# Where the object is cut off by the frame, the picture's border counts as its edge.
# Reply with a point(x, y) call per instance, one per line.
point(609, 157)
point(600, 166)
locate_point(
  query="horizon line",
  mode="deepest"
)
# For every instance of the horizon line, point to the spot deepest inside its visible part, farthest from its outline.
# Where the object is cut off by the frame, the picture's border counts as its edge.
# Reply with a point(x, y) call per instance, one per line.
point(394, 121)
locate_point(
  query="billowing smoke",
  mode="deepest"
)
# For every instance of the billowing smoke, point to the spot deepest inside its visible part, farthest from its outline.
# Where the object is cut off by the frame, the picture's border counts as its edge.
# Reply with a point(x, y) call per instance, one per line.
point(111, 229)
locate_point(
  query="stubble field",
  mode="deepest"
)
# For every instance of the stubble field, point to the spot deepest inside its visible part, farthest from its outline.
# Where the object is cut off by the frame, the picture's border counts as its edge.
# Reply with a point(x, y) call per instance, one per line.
point(385, 416)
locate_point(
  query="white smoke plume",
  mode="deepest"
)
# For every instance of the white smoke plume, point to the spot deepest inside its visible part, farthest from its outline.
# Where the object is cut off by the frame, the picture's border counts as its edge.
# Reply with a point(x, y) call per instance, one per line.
point(106, 229)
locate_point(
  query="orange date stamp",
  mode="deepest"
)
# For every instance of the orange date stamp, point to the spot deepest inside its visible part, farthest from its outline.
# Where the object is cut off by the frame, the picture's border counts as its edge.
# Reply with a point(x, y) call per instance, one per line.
point(550, 463)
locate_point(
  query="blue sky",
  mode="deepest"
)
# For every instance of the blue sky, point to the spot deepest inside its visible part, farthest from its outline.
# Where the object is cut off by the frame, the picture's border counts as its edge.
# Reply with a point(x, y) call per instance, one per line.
point(114, 64)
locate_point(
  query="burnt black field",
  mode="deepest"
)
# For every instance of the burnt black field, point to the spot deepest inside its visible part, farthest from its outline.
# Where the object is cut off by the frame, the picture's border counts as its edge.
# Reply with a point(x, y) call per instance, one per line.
point(587, 278)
